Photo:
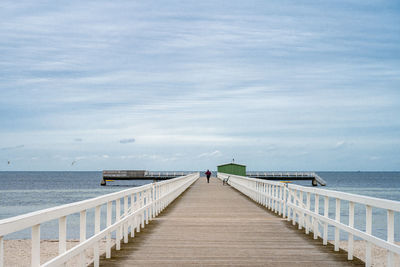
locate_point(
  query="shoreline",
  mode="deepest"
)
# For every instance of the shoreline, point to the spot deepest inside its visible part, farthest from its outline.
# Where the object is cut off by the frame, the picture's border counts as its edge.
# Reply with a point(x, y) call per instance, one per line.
point(17, 253)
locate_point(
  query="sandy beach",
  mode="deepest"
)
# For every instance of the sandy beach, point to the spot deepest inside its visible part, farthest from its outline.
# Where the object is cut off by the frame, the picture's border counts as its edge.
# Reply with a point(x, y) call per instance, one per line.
point(379, 255)
point(17, 252)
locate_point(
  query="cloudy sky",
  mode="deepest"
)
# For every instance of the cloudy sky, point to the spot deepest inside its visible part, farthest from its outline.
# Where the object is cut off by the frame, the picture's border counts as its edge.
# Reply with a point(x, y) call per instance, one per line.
point(188, 85)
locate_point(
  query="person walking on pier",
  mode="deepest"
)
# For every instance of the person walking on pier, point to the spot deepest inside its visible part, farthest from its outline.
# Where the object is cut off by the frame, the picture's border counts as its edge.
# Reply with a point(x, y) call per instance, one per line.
point(208, 174)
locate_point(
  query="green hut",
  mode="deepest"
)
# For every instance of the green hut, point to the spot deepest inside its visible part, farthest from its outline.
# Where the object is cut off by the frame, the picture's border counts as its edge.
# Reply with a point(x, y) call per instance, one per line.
point(232, 168)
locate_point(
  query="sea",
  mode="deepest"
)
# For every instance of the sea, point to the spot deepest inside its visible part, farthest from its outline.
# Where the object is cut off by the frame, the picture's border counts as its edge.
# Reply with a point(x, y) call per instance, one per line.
point(24, 192)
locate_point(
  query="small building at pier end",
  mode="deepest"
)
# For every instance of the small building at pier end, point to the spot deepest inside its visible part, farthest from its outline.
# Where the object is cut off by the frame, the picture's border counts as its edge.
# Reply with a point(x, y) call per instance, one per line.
point(232, 168)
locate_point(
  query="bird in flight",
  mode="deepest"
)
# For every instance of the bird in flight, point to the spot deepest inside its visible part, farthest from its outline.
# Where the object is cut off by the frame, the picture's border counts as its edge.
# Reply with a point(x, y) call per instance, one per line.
point(73, 162)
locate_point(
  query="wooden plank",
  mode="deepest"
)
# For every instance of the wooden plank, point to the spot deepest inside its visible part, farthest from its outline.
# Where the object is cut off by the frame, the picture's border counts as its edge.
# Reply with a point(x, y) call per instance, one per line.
point(212, 224)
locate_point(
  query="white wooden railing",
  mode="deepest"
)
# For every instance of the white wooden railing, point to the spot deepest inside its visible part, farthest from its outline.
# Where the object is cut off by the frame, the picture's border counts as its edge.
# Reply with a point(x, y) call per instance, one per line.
point(301, 205)
point(140, 204)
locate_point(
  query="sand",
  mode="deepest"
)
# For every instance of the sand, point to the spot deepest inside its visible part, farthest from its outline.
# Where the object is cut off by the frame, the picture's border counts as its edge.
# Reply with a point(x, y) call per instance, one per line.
point(17, 252)
point(379, 255)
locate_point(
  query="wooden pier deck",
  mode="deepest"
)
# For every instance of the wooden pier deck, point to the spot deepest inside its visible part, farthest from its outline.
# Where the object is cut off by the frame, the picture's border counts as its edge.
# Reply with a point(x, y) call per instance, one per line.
point(212, 224)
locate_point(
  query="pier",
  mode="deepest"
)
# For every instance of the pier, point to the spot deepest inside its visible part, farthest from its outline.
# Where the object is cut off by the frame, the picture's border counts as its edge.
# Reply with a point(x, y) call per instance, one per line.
point(289, 176)
point(212, 224)
point(159, 176)
point(112, 175)
point(185, 220)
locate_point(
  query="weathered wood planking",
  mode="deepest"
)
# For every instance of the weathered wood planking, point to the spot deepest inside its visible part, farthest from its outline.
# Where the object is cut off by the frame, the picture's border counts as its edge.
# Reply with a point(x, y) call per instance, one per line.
point(211, 224)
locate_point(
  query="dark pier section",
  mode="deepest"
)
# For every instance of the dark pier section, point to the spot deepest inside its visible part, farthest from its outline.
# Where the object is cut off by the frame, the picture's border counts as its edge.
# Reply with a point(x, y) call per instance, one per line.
point(112, 175)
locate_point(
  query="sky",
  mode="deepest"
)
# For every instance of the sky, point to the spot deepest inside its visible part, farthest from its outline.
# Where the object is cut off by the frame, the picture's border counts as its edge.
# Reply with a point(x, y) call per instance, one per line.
point(188, 85)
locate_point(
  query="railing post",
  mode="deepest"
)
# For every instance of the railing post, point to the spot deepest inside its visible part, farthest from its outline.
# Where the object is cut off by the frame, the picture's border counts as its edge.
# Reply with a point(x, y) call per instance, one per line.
point(294, 205)
point(126, 222)
point(62, 235)
point(288, 200)
point(390, 235)
point(326, 214)
point(276, 204)
point(315, 221)
point(35, 254)
point(280, 201)
point(142, 195)
point(301, 215)
point(152, 201)
point(132, 220)
point(337, 230)
point(308, 207)
point(350, 245)
point(284, 202)
point(82, 236)
point(1, 251)
point(137, 216)
point(117, 219)
point(368, 230)
point(96, 253)
point(148, 206)
point(108, 238)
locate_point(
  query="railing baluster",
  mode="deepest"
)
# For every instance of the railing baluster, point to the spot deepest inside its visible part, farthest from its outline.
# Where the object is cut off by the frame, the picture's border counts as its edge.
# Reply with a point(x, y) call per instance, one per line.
point(152, 199)
point(62, 235)
point(117, 219)
point(390, 236)
point(1, 251)
point(350, 245)
point(82, 236)
point(315, 221)
point(326, 214)
point(284, 202)
point(308, 207)
point(280, 200)
point(368, 230)
point(294, 205)
point(132, 221)
point(126, 223)
point(35, 255)
point(301, 215)
point(276, 198)
point(141, 206)
point(148, 207)
point(337, 230)
point(96, 253)
point(288, 200)
point(109, 221)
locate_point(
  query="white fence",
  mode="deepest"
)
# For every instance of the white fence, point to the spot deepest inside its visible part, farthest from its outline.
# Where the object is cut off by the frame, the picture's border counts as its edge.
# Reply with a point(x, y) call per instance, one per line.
point(301, 205)
point(140, 204)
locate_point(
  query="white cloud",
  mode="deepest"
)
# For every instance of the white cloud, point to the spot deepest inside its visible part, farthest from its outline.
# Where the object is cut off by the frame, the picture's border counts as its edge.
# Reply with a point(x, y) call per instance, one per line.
point(127, 140)
point(215, 153)
point(197, 79)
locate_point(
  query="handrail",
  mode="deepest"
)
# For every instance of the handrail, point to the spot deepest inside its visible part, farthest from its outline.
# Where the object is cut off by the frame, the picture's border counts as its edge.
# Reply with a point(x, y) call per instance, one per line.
point(145, 203)
point(288, 201)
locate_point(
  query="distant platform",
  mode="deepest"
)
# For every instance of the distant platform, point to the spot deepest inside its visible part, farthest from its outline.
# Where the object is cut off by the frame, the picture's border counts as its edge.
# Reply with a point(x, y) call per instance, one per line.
point(158, 176)
point(138, 175)
point(291, 176)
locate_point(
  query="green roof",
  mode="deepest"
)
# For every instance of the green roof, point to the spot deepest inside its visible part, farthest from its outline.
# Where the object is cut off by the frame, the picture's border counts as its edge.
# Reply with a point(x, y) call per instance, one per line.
point(231, 164)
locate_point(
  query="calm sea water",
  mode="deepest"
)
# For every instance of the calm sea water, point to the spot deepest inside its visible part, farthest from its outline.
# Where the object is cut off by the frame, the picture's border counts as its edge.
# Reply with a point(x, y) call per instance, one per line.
point(23, 192)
